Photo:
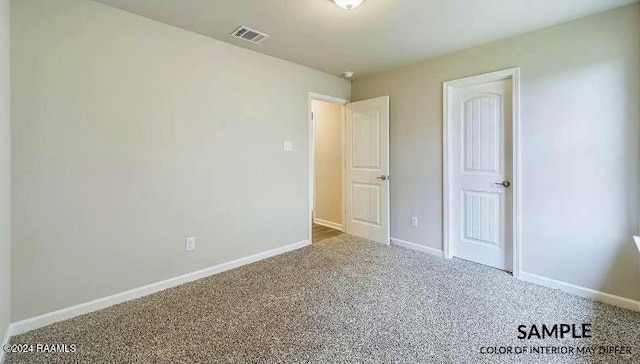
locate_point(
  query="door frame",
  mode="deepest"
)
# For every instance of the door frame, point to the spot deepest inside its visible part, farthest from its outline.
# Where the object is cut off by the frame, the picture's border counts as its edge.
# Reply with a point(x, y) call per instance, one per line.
point(312, 147)
point(448, 164)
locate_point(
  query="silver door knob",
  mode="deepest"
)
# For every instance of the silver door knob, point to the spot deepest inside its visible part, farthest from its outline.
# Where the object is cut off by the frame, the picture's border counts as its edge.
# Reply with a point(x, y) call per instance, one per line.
point(383, 177)
point(505, 184)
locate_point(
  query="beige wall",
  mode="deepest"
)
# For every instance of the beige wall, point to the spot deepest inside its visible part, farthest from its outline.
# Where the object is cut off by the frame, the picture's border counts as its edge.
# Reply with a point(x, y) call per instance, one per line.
point(328, 162)
point(130, 135)
point(5, 169)
point(580, 116)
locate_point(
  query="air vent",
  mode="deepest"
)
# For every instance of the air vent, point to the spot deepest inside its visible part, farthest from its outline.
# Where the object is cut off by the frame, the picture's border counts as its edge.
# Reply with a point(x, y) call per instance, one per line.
point(250, 35)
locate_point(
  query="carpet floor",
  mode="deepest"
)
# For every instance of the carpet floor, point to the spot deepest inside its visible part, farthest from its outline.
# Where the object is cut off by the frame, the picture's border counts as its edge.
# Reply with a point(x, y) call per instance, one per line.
point(342, 300)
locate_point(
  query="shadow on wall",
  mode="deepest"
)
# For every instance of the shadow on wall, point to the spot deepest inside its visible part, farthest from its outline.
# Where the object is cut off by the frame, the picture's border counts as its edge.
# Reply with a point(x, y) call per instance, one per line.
point(582, 178)
point(581, 142)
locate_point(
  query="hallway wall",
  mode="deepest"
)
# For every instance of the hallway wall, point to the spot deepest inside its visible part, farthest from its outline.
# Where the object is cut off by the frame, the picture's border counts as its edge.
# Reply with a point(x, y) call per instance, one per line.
point(328, 161)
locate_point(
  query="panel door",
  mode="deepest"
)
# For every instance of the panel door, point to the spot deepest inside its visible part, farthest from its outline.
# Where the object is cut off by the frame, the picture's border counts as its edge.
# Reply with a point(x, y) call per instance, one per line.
point(482, 177)
point(367, 169)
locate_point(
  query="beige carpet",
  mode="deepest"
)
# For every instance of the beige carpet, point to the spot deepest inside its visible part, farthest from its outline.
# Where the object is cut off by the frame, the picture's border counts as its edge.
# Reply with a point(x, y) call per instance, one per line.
point(341, 300)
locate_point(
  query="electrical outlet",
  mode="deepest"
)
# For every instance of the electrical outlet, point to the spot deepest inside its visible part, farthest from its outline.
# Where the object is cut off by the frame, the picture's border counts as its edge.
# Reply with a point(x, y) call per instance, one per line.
point(190, 244)
point(287, 146)
point(414, 221)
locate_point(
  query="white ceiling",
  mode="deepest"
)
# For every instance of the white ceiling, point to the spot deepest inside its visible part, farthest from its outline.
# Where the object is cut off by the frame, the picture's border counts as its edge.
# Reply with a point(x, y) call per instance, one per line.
point(379, 35)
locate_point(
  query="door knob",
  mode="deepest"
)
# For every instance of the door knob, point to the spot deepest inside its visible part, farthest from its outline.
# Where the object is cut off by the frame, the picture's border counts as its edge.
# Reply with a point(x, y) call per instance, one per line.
point(383, 177)
point(505, 184)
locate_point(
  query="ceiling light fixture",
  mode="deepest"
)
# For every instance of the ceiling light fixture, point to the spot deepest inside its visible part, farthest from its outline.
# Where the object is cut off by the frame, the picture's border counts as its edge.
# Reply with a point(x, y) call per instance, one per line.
point(348, 4)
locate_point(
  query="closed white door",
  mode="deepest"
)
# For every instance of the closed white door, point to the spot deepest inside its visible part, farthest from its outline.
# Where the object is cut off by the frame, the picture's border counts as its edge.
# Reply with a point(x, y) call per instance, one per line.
point(367, 169)
point(482, 157)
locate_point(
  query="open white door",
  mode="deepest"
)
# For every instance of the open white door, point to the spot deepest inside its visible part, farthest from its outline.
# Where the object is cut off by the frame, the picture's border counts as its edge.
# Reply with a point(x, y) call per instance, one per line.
point(367, 169)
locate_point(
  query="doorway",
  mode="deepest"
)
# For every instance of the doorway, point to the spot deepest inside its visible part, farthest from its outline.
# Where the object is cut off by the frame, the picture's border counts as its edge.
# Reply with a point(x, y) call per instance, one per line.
point(481, 169)
point(328, 169)
point(363, 167)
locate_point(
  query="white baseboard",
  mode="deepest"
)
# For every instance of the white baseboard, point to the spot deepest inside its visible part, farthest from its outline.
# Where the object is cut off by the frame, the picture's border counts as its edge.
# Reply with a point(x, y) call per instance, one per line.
point(636, 239)
point(37, 322)
point(5, 341)
point(611, 299)
point(327, 223)
point(544, 281)
point(417, 247)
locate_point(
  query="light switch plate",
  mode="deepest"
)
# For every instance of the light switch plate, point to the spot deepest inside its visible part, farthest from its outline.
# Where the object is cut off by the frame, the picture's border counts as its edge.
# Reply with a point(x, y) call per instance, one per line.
point(287, 146)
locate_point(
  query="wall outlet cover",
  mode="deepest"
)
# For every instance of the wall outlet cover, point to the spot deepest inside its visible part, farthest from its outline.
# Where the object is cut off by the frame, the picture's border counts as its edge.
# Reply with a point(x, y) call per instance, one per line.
point(414, 221)
point(288, 146)
point(190, 244)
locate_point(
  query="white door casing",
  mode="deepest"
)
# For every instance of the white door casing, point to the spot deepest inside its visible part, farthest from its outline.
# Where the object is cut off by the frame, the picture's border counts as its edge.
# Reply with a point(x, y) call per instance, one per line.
point(367, 169)
point(482, 174)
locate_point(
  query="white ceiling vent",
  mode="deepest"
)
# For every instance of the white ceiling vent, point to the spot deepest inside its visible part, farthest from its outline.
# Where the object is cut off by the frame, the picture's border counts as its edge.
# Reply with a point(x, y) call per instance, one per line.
point(250, 35)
